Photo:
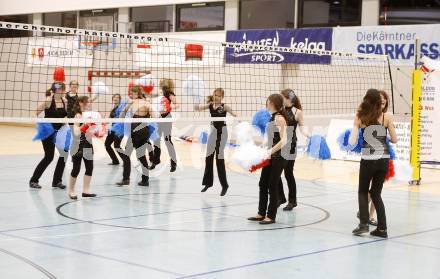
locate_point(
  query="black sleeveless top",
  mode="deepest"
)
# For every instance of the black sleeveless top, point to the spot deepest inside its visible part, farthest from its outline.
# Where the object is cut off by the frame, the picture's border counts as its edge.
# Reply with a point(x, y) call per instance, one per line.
point(378, 148)
point(54, 112)
point(113, 112)
point(291, 131)
point(218, 112)
point(71, 100)
point(273, 135)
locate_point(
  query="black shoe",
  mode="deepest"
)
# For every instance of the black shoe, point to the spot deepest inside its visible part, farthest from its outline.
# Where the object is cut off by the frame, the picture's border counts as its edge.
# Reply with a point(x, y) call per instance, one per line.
point(379, 233)
point(361, 229)
point(152, 166)
point(290, 206)
point(59, 185)
point(280, 202)
point(113, 164)
point(256, 219)
point(144, 183)
point(205, 189)
point(173, 167)
point(224, 190)
point(123, 182)
point(75, 197)
point(87, 195)
point(267, 222)
point(34, 185)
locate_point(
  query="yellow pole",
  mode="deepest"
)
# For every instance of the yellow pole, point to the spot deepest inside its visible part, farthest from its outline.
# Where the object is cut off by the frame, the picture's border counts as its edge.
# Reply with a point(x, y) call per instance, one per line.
point(415, 124)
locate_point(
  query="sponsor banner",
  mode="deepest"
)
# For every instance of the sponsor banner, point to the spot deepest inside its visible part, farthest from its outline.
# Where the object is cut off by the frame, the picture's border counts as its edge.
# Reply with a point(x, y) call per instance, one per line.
point(398, 42)
point(57, 52)
point(318, 39)
point(430, 112)
point(178, 55)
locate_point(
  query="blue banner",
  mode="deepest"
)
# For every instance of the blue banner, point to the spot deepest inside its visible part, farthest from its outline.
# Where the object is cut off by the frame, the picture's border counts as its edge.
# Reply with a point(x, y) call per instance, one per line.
point(307, 39)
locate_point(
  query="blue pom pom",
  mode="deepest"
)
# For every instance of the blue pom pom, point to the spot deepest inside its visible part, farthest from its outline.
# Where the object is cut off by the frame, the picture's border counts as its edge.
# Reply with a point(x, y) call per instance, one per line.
point(345, 146)
point(44, 130)
point(261, 119)
point(391, 149)
point(153, 131)
point(318, 148)
point(120, 108)
point(203, 139)
point(63, 138)
point(118, 129)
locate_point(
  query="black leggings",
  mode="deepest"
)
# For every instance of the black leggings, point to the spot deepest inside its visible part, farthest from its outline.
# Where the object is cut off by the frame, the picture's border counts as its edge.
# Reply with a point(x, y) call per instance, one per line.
point(76, 160)
point(112, 138)
point(373, 171)
point(216, 147)
point(269, 187)
point(49, 153)
point(139, 142)
point(164, 130)
point(291, 183)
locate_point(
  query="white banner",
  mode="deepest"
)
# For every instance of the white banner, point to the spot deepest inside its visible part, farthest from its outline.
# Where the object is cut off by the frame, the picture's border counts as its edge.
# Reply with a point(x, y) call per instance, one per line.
point(398, 42)
point(430, 112)
point(176, 54)
point(57, 52)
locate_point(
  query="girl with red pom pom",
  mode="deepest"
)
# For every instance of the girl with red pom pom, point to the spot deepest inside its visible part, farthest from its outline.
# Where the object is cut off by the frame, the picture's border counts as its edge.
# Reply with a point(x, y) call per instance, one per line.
point(375, 158)
point(271, 174)
point(216, 140)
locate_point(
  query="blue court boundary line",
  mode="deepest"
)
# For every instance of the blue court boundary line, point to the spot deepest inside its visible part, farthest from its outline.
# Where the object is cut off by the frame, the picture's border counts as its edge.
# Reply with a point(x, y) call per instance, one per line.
point(304, 254)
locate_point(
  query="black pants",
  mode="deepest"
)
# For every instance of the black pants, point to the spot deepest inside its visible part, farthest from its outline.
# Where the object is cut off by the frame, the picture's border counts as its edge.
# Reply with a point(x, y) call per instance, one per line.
point(291, 183)
point(373, 171)
point(49, 153)
point(269, 187)
point(216, 147)
point(164, 130)
point(112, 138)
point(87, 156)
point(139, 142)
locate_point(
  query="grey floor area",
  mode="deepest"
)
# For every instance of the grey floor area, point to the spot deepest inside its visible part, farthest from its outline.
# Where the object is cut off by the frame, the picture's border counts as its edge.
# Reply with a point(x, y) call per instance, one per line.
point(171, 230)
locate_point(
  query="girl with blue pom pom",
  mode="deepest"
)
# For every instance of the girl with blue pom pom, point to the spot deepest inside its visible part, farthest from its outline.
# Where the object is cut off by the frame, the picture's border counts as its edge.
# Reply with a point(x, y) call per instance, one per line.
point(216, 140)
point(271, 174)
point(295, 119)
point(375, 158)
point(112, 138)
point(54, 107)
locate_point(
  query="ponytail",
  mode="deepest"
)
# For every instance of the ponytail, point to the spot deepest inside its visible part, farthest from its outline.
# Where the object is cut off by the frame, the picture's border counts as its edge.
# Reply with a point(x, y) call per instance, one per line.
point(77, 107)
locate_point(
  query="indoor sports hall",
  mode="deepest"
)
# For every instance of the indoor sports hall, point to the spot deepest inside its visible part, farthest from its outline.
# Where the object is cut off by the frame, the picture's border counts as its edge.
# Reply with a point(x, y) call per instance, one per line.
point(220, 139)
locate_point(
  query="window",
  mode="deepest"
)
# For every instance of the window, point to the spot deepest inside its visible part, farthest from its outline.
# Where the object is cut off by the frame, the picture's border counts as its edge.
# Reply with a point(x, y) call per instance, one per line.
point(260, 14)
point(409, 11)
point(5, 33)
point(63, 19)
point(329, 12)
point(152, 19)
point(200, 17)
point(102, 20)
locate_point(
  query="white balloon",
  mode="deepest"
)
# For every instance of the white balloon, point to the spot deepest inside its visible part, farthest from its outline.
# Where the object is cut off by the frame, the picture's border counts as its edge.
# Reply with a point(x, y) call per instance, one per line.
point(100, 88)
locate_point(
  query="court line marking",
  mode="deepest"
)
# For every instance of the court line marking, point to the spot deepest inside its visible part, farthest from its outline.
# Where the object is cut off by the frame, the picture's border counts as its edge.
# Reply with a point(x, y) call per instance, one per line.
point(303, 254)
point(29, 262)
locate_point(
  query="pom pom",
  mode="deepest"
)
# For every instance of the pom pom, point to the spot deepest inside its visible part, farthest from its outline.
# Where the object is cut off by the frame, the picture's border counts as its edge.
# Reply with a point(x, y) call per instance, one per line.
point(345, 146)
point(244, 132)
point(146, 83)
point(99, 88)
point(318, 148)
point(98, 130)
point(63, 139)
point(130, 86)
point(203, 139)
point(391, 149)
point(249, 156)
point(118, 129)
point(161, 105)
point(260, 165)
point(390, 173)
point(261, 119)
point(403, 171)
point(58, 74)
point(120, 108)
point(195, 87)
point(153, 131)
point(44, 130)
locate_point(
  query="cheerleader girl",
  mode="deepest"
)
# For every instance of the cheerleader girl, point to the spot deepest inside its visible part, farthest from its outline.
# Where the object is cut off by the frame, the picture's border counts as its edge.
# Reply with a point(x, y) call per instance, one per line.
point(82, 150)
point(112, 138)
point(53, 107)
point(164, 128)
point(374, 161)
point(295, 118)
point(216, 141)
point(139, 137)
point(271, 174)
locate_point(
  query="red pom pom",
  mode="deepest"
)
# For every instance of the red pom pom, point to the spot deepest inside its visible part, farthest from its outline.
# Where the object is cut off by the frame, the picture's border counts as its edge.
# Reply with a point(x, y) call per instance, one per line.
point(260, 165)
point(130, 86)
point(148, 89)
point(390, 174)
point(84, 128)
point(58, 74)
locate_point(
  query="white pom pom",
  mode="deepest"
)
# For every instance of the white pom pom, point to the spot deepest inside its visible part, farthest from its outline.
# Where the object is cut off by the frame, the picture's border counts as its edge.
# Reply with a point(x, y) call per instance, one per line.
point(146, 80)
point(99, 88)
point(195, 87)
point(91, 114)
point(403, 171)
point(248, 155)
point(244, 132)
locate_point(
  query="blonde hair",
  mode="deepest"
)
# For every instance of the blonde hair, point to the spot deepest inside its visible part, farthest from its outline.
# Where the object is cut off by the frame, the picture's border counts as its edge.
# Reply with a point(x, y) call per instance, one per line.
point(167, 85)
point(217, 90)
